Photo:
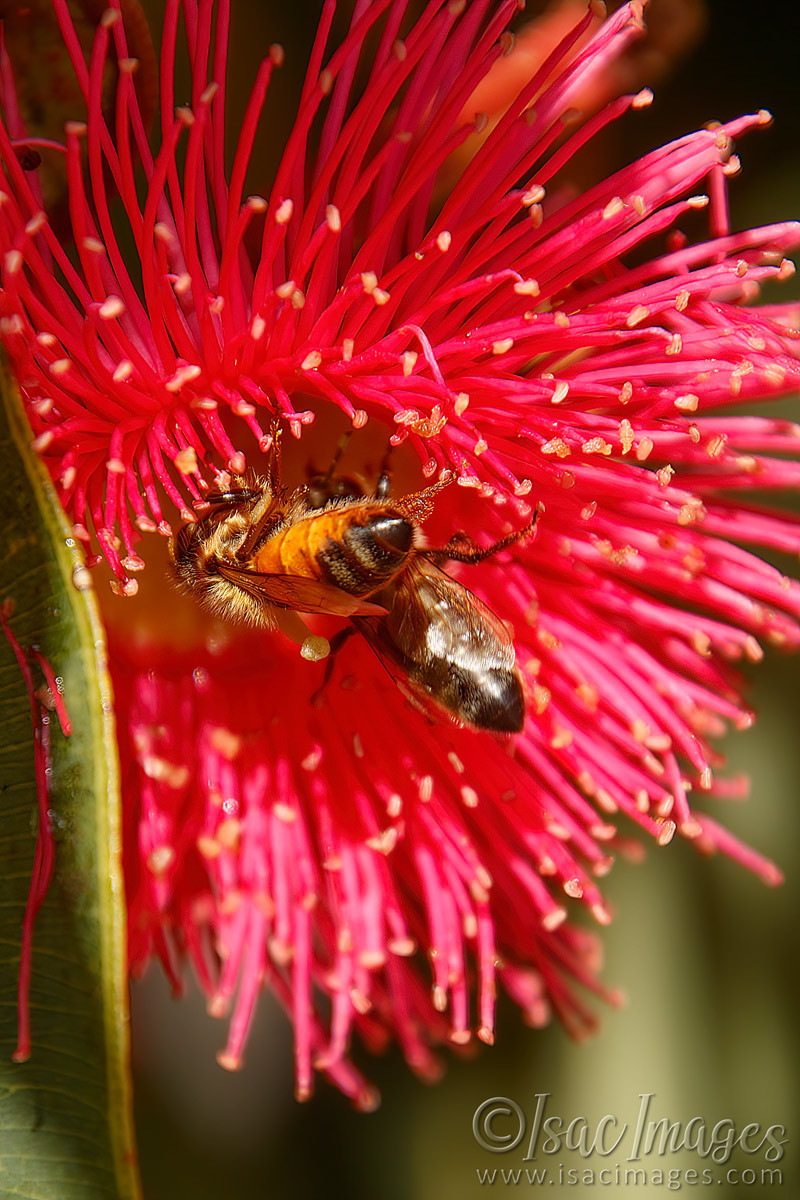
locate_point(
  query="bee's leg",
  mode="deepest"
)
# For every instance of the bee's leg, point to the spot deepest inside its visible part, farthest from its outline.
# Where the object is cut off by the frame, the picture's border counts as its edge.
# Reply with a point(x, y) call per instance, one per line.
point(463, 548)
point(274, 458)
point(384, 482)
point(337, 641)
point(419, 505)
point(267, 516)
point(337, 454)
point(321, 488)
point(267, 513)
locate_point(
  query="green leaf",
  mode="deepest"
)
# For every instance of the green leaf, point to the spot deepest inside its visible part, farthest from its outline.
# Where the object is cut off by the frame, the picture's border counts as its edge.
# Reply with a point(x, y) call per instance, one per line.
point(65, 1115)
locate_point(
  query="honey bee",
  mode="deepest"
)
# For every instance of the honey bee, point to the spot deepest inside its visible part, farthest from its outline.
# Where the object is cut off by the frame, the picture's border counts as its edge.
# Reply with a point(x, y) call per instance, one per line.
point(329, 547)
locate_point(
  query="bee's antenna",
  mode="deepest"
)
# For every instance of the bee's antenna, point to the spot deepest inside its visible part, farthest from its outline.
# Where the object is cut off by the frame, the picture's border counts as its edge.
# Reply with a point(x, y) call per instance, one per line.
point(337, 454)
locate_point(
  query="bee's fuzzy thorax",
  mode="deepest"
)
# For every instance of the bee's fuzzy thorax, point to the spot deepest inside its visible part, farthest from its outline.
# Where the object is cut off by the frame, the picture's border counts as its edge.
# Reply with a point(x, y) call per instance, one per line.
point(196, 552)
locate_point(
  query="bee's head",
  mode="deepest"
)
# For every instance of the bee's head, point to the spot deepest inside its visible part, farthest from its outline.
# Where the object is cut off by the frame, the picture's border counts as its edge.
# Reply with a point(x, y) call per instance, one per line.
point(322, 489)
point(194, 547)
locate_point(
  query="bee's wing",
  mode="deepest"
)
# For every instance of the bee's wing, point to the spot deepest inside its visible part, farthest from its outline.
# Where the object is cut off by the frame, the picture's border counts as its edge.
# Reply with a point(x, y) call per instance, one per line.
point(435, 614)
point(447, 652)
point(300, 593)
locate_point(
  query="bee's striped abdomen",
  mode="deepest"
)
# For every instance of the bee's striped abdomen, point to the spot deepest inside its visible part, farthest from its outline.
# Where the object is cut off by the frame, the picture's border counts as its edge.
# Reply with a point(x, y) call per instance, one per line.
point(366, 556)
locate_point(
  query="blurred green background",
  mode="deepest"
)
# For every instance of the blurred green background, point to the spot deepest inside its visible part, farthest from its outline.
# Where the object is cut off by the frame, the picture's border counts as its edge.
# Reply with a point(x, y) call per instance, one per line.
point(705, 953)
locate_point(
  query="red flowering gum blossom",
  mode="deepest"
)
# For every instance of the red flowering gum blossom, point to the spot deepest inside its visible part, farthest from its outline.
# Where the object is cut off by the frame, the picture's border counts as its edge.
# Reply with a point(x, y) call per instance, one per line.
point(573, 350)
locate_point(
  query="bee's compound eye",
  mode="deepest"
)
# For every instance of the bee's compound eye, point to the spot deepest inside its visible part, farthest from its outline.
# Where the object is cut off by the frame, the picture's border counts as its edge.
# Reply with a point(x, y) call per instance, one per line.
point(317, 494)
point(394, 531)
point(322, 490)
point(347, 488)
